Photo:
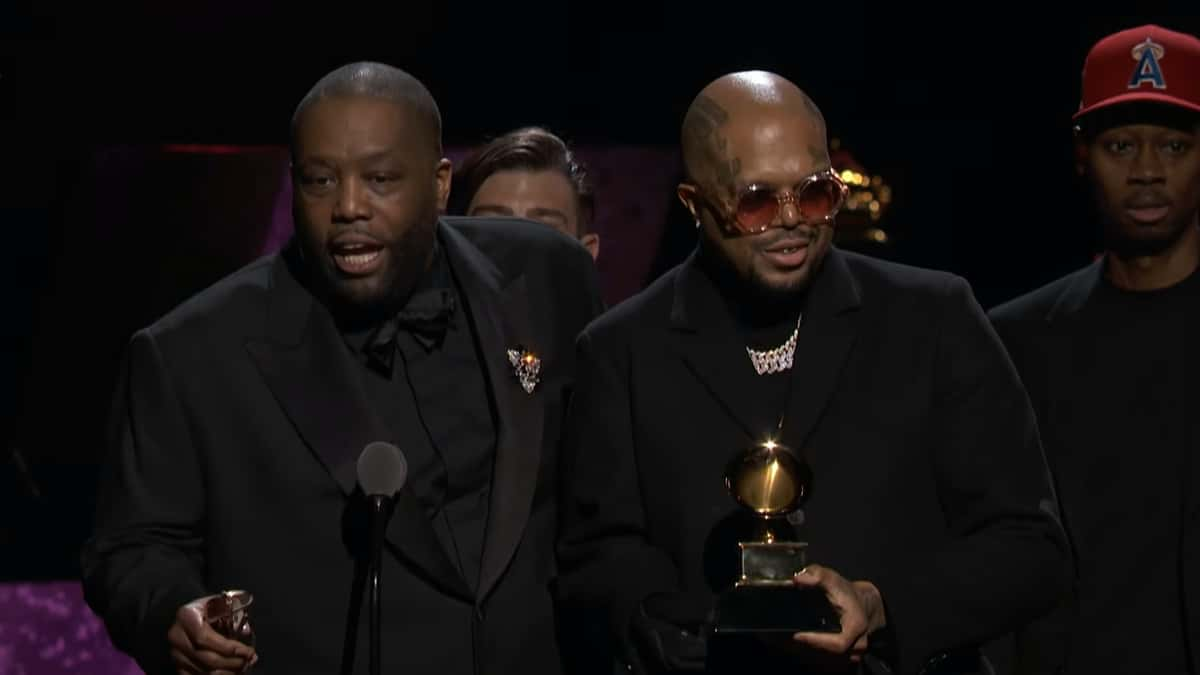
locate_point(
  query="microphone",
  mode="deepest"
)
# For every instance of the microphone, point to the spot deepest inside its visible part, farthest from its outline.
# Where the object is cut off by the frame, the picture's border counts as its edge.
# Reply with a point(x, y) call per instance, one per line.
point(382, 470)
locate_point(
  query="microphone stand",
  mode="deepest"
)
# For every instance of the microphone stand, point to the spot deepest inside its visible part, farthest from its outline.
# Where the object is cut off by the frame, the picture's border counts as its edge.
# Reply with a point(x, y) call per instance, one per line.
point(380, 505)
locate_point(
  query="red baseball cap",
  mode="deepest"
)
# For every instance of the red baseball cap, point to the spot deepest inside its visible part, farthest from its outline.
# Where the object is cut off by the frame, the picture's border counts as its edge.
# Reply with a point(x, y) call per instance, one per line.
point(1149, 63)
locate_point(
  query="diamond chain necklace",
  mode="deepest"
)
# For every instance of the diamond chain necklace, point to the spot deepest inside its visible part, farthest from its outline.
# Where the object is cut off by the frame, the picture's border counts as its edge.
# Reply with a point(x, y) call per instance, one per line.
point(778, 359)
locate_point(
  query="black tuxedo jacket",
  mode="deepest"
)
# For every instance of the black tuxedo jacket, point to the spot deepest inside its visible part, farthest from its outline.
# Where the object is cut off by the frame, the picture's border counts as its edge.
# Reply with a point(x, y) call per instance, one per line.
point(929, 476)
point(237, 424)
point(1043, 331)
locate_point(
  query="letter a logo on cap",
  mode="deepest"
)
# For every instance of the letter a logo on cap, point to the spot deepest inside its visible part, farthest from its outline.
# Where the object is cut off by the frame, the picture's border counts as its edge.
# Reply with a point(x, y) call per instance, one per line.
point(1147, 55)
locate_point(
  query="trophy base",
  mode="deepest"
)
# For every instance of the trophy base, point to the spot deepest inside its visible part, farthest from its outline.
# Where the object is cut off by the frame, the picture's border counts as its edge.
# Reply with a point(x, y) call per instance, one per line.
point(773, 608)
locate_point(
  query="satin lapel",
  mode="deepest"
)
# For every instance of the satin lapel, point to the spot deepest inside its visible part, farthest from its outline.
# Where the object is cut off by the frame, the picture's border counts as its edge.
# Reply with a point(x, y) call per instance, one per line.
point(313, 376)
point(500, 315)
point(821, 352)
point(826, 338)
point(720, 363)
point(708, 344)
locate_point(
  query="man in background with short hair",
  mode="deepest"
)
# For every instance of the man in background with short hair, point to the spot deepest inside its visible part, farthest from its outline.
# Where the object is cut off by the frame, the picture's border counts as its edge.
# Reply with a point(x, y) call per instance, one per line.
point(528, 173)
point(1109, 357)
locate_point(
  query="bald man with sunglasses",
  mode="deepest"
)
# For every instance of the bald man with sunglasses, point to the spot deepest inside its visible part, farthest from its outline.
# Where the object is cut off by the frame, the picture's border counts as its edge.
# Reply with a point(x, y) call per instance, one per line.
point(930, 524)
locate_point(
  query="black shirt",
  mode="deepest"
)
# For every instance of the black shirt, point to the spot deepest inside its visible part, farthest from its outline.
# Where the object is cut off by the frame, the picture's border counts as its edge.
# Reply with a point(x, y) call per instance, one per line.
point(433, 397)
point(1118, 441)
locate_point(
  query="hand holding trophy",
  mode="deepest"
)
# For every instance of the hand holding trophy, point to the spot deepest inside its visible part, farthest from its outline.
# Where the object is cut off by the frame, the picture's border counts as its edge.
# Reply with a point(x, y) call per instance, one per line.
point(228, 612)
point(214, 633)
point(772, 482)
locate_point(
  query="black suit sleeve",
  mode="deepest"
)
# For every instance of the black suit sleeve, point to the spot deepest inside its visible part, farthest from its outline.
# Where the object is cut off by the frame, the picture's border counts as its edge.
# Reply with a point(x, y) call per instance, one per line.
point(1189, 556)
point(145, 557)
point(1038, 647)
point(1007, 559)
point(607, 564)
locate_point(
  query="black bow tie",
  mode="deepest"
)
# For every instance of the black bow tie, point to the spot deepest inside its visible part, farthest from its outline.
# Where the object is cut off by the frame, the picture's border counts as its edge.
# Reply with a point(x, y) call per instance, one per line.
point(426, 317)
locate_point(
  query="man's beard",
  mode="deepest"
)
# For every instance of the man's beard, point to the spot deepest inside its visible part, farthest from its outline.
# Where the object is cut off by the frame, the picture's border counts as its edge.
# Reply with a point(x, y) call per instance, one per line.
point(768, 293)
point(407, 263)
point(759, 288)
point(753, 299)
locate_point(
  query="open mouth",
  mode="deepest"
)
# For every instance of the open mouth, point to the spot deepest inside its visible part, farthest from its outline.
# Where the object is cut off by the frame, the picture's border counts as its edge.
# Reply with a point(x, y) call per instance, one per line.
point(787, 254)
point(787, 250)
point(356, 255)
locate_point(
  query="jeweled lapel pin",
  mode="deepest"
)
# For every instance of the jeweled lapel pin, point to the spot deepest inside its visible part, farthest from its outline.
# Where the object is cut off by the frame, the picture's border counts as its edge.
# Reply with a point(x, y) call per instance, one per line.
point(526, 366)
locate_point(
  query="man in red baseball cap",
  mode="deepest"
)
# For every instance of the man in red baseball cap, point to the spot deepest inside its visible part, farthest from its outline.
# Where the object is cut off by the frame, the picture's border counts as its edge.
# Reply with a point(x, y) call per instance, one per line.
point(1110, 356)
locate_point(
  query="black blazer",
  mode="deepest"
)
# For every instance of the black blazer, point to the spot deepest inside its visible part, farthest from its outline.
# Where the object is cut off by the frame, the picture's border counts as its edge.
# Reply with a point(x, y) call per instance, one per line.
point(237, 423)
point(1043, 331)
point(929, 476)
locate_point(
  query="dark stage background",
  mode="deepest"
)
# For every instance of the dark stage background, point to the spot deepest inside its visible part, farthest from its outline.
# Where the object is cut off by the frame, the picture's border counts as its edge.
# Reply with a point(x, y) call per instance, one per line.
point(143, 154)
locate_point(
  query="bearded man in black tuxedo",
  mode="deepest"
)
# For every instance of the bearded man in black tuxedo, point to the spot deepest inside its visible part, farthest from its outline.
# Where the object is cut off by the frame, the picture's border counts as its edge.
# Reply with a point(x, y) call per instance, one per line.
point(240, 415)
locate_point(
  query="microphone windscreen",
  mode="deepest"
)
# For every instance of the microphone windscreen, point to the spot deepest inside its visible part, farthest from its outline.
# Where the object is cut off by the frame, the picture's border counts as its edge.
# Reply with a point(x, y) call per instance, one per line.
point(382, 469)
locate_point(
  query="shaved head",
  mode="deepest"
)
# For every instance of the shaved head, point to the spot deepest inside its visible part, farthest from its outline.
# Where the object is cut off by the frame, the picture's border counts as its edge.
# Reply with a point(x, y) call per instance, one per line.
point(380, 82)
point(754, 132)
point(733, 98)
